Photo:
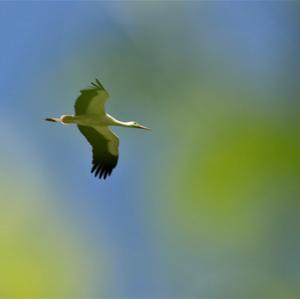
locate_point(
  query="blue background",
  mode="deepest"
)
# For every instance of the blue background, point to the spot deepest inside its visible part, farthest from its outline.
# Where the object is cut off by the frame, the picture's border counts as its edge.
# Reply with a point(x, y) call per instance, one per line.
point(204, 205)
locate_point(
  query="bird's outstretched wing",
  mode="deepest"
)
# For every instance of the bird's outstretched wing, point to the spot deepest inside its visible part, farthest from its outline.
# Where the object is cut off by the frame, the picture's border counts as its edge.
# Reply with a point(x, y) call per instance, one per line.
point(91, 100)
point(105, 146)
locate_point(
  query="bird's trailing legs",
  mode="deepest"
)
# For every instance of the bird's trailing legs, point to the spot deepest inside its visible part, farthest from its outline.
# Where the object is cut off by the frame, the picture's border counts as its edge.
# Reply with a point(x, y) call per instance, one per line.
point(55, 120)
point(64, 119)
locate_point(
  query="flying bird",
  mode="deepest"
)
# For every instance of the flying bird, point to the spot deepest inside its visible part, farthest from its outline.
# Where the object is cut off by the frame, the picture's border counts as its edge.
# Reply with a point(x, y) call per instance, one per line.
point(94, 123)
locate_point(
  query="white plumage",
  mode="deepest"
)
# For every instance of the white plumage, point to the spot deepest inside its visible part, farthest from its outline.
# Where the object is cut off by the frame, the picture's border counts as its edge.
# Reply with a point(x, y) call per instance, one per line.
point(93, 122)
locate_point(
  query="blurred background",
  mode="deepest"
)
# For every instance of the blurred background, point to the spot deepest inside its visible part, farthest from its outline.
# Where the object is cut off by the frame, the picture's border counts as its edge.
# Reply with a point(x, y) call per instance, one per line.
point(206, 204)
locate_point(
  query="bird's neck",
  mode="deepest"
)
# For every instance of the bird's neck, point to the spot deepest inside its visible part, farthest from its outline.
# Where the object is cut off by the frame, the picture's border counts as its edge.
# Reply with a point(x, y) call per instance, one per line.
point(122, 123)
point(119, 123)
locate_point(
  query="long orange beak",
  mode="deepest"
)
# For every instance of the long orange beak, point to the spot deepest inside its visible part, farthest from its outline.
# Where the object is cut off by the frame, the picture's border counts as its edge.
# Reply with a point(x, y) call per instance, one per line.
point(143, 127)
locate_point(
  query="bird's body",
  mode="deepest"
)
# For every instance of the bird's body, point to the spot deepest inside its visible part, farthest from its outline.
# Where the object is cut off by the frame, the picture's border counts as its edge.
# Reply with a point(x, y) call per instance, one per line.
point(93, 122)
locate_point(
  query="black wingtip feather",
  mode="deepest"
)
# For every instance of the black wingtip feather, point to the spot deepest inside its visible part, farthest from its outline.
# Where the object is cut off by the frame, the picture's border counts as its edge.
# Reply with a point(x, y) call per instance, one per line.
point(93, 168)
point(103, 162)
point(95, 85)
point(101, 173)
point(98, 170)
point(98, 82)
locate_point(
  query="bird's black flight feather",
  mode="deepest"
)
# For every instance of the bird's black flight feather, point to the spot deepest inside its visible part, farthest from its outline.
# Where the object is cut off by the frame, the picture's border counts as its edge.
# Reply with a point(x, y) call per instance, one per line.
point(86, 95)
point(103, 161)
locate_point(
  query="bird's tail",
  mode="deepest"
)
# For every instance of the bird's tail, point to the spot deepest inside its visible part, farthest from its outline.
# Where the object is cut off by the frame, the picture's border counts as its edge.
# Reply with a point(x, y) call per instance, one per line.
point(53, 119)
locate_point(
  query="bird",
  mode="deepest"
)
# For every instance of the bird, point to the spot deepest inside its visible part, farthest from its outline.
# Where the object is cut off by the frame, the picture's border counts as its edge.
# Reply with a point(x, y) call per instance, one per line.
point(94, 123)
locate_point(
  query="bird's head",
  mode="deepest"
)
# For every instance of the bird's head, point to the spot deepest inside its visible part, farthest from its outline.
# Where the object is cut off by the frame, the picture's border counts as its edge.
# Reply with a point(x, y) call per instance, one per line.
point(134, 124)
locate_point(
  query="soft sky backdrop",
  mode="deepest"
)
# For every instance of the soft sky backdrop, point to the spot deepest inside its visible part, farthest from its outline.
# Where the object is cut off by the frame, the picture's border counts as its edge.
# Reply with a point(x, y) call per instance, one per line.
point(206, 204)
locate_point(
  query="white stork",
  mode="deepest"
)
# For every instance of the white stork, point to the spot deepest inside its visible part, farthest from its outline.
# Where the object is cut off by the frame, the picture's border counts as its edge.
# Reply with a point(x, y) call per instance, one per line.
point(93, 122)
